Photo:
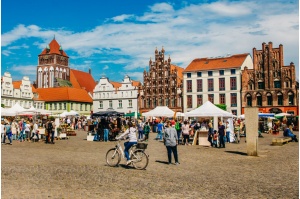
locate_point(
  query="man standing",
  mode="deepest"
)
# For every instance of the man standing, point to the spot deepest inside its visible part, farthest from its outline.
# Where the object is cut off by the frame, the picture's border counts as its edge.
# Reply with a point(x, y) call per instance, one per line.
point(49, 130)
point(52, 132)
point(221, 135)
point(171, 142)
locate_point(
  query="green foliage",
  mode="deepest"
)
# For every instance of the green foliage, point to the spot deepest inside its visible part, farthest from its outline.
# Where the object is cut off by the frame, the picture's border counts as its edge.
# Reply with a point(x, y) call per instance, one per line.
point(222, 106)
point(64, 83)
point(2, 105)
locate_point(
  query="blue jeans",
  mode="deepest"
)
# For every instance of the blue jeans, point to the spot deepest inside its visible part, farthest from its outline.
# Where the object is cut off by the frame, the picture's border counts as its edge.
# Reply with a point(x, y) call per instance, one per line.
point(159, 135)
point(8, 135)
point(228, 136)
point(33, 134)
point(105, 135)
point(141, 133)
point(178, 134)
point(173, 149)
point(21, 136)
point(127, 147)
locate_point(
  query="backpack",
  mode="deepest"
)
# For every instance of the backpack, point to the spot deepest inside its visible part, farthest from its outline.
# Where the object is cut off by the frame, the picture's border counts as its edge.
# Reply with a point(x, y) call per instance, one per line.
point(177, 126)
point(50, 126)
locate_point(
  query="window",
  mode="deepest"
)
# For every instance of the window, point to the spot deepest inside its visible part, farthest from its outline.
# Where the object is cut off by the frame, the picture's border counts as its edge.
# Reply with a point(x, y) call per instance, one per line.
point(221, 72)
point(261, 85)
point(60, 105)
point(233, 99)
point(50, 106)
point(199, 100)
point(222, 84)
point(86, 107)
point(173, 102)
point(280, 99)
point(71, 106)
point(120, 103)
point(258, 100)
point(188, 75)
point(199, 85)
point(277, 84)
point(291, 98)
point(222, 99)
point(130, 103)
point(81, 107)
point(210, 73)
point(199, 74)
point(249, 100)
point(211, 98)
point(232, 71)
point(167, 102)
point(190, 101)
point(269, 99)
point(65, 106)
point(189, 85)
point(110, 104)
point(210, 83)
point(55, 106)
point(232, 83)
point(100, 104)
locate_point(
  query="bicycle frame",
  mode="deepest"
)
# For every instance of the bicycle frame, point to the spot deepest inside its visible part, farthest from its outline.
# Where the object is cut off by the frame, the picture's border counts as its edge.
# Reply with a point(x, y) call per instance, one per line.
point(119, 147)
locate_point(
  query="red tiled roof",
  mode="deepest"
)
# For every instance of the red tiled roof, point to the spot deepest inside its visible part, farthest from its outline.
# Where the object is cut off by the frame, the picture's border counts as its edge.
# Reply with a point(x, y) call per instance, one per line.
point(63, 94)
point(116, 84)
point(54, 49)
point(80, 79)
point(17, 84)
point(136, 83)
point(233, 61)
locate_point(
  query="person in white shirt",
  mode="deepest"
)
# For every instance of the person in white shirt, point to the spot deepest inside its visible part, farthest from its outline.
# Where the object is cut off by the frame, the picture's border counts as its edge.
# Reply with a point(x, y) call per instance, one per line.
point(131, 134)
point(35, 131)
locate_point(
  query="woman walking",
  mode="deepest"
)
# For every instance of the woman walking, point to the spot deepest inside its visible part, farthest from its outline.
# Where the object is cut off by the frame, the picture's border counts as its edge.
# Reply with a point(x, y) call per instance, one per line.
point(185, 132)
point(171, 142)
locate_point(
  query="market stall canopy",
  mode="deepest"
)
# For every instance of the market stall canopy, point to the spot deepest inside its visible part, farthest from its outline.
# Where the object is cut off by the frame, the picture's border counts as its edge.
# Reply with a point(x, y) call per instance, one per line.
point(282, 114)
point(266, 114)
point(160, 111)
point(17, 108)
point(107, 113)
point(132, 114)
point(208, 109)
point(179, 114)
point(71, 113)
point(6, 112)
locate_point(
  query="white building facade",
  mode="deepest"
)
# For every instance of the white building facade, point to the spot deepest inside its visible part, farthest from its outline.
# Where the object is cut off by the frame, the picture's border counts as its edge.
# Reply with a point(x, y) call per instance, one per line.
point(217, 80)
point(121, 97)
point(13, 92)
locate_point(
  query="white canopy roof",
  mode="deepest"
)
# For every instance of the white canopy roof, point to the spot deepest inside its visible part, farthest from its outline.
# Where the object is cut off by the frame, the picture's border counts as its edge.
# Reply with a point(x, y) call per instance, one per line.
point(208, 109)
point(160, 111)
point(6, 112)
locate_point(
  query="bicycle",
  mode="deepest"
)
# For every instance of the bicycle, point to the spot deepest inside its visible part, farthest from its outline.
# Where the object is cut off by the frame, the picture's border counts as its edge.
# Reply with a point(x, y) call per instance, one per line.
point(139, 159)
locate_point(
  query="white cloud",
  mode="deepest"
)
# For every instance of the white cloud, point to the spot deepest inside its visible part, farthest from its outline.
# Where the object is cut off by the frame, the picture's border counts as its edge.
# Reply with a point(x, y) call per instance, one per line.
point(105, 67)
point(189, 32)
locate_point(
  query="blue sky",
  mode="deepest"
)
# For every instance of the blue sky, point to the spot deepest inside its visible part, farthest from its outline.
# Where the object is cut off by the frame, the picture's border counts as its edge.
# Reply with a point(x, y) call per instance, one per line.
point(118, 37)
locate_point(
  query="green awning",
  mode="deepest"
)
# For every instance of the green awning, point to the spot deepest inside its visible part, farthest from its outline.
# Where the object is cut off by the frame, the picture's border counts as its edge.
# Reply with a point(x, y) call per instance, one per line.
point(132, 114)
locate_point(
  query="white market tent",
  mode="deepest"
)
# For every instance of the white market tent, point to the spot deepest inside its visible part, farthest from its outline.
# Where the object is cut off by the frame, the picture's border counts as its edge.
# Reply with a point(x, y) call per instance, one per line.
point(179, 114)
point(160, 111)
point(6, 112)
point(71, 113)
point(208, 109)
point(282, 114)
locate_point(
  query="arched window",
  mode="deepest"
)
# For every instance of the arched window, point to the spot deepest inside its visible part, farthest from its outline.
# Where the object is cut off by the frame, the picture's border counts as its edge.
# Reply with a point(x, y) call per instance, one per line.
point(269, 99)
point(249, 100)
point(279, 98)
point(258, 99)
point(291, 98)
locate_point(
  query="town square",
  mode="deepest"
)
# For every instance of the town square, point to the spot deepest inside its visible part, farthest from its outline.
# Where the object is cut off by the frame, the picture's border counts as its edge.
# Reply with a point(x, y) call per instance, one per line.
point(195, 99)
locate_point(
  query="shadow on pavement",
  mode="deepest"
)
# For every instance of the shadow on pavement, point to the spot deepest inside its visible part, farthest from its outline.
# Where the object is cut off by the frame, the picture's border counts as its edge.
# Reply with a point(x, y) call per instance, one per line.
point(237, 152)
point(162, 162)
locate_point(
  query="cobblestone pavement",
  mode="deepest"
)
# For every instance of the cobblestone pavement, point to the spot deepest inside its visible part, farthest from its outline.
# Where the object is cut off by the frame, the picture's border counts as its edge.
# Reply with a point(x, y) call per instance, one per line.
point(76, 168)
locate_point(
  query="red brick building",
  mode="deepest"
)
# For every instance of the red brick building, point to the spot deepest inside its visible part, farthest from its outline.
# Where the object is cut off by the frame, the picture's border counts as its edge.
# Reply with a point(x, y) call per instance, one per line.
point(270, 85)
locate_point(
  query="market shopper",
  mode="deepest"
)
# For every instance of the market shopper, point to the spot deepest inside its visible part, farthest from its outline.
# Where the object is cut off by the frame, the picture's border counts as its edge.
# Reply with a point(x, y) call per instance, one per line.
point(171, 142)
point(8, 134)
point(221, 133)
point(35, 131)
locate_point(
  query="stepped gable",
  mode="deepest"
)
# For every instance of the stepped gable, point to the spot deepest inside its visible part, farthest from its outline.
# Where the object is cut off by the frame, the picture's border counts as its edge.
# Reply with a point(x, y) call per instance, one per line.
point(234, 61)
point(80, 79)
point(55, 48)
point(63, 94)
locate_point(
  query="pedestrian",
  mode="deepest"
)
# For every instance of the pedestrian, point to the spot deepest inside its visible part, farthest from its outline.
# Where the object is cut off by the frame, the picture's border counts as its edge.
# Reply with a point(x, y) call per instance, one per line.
point(221, 135)
point(146, 131)
point(106, 127)
point(160, 127)
point(7, 132)
point(14, 129)
point(185, 133)
point(22, 128)
point(49, 131)
point(3, 134)
point(227, 132)
point(140, 129)
point(215, 139)
point(35, 131)
point(178, 127)
point(52, 132)
point(171, 142)
point(27, 130)
point(210, 133)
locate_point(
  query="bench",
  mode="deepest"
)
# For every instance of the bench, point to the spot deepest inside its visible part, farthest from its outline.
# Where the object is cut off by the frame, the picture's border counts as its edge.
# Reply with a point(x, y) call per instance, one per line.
point(281, 141)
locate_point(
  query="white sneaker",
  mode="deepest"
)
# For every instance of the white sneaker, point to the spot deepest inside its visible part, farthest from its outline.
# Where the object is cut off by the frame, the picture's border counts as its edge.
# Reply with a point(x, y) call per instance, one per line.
point(128, 162)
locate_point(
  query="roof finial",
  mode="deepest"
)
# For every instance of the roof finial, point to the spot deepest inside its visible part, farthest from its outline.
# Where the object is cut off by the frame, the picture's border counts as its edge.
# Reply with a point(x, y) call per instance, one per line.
point(54, 37)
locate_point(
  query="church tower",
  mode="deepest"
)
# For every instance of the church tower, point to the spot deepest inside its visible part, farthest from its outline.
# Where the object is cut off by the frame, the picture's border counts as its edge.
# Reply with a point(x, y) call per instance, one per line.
point(53, 63)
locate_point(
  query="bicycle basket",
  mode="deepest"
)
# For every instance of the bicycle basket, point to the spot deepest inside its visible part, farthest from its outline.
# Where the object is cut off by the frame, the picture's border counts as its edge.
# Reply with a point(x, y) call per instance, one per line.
point(141, 146)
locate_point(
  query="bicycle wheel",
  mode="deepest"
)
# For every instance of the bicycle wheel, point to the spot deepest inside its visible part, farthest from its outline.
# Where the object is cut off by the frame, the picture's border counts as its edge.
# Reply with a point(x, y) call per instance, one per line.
point(113, 157)
point(139, 159)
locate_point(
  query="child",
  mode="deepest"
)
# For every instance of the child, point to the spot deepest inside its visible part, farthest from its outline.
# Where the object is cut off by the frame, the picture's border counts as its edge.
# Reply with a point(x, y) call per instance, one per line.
point(146, 131)
point(215, 139)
